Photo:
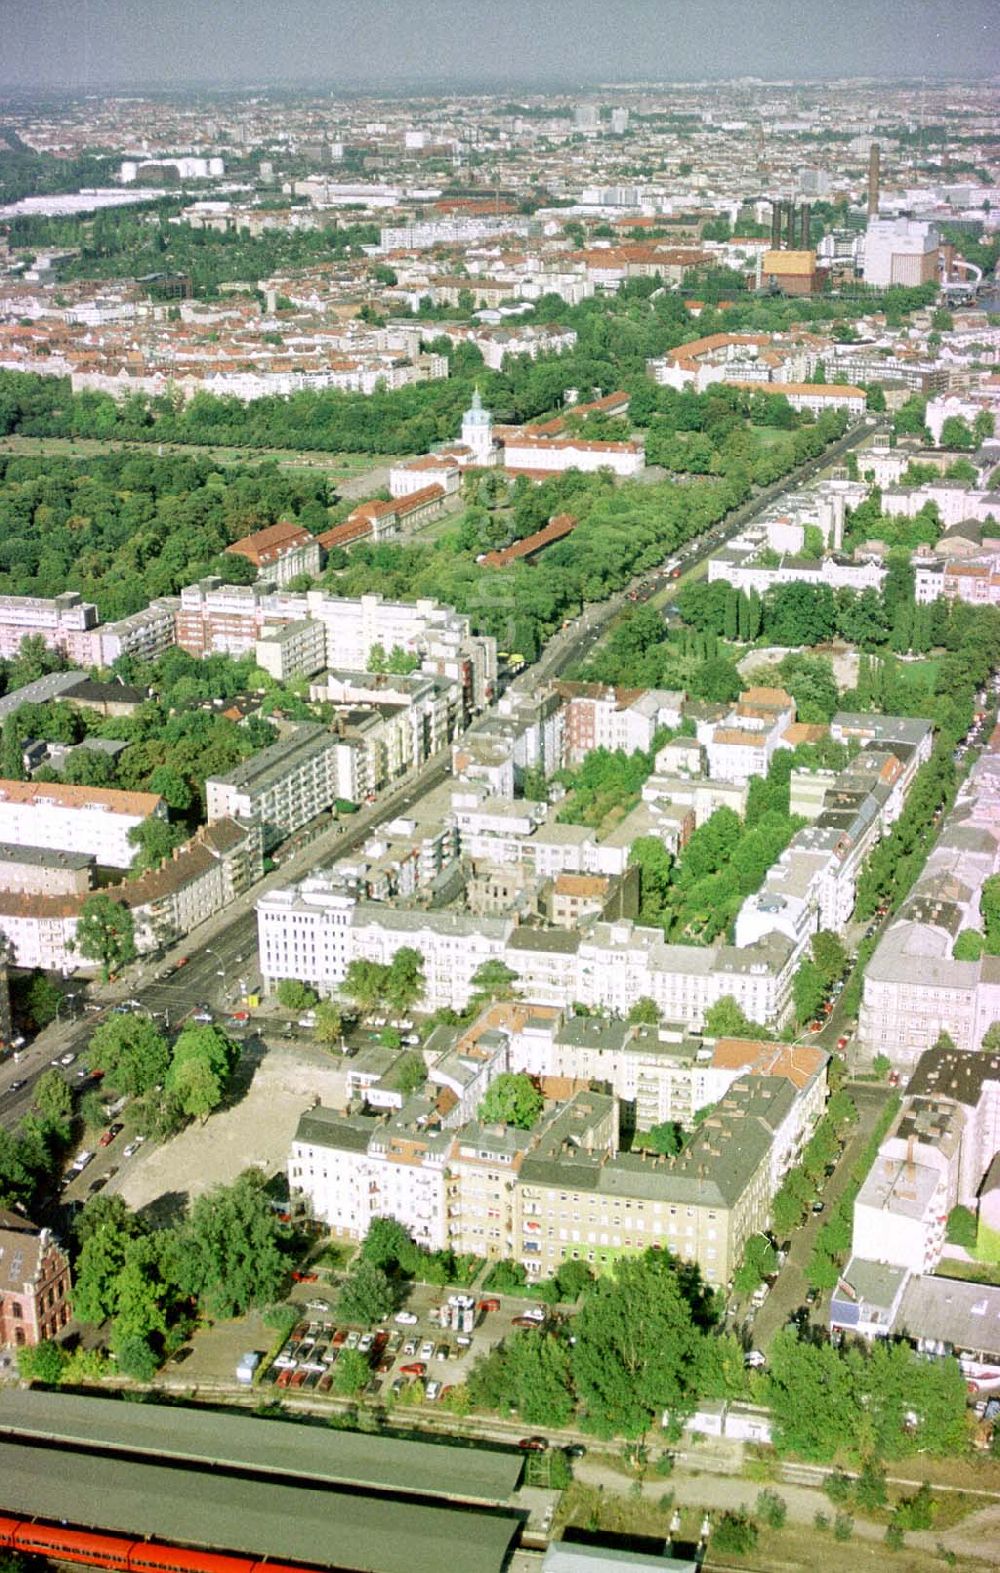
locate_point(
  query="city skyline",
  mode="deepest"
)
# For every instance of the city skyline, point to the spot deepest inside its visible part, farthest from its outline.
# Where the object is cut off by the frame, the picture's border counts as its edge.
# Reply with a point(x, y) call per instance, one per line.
point(58, 45)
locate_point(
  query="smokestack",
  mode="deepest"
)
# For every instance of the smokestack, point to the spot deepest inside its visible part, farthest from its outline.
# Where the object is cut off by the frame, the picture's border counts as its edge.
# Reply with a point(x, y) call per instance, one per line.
point(805, 225)
point(775, 226)
point(874, 169)
point(790, 226)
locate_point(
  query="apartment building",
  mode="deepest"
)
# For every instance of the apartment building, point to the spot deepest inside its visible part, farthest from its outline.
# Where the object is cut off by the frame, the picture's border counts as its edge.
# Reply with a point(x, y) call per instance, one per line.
point(935, 1157)
point(290, 650)
point(564, 1191)
point(40, 871)
point(146, 635)
point(34, 1283)
point(95, 821)
point(977, 583)
point(429, 708)
point(66, 623)
point(914, 987)
point(742, 744)
point(624, 718)
point(206, 875)
point(286, 785)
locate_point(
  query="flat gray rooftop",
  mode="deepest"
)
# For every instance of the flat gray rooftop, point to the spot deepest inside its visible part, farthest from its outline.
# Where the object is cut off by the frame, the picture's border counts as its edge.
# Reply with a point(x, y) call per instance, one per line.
point(306, 1452)
point(261, 1518)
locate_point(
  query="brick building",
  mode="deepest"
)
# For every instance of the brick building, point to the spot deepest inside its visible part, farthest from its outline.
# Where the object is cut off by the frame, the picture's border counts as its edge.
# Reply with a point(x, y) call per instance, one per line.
point(34, 1283)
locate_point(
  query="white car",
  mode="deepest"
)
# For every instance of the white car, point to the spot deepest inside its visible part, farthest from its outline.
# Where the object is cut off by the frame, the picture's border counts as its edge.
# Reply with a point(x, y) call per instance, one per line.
point(432, 1392)
point(406, 1318)
point(427, 1349)
point(133, 1146)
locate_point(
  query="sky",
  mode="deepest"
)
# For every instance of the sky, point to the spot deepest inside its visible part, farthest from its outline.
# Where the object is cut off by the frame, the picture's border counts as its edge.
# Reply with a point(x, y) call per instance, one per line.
point(81, 44)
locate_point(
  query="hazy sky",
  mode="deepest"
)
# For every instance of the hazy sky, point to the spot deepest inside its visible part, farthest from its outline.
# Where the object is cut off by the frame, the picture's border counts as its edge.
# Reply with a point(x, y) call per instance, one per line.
point(82, 43)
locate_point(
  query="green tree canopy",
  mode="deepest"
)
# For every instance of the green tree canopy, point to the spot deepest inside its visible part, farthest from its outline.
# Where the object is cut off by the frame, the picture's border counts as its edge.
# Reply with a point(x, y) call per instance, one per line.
point(105, 933)
point(226, 1252)
point(512, 1099)
point(130, 1051)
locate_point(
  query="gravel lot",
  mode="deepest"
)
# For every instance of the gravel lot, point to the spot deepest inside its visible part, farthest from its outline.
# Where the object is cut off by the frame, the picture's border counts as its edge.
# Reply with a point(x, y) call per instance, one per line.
point(281, 1081)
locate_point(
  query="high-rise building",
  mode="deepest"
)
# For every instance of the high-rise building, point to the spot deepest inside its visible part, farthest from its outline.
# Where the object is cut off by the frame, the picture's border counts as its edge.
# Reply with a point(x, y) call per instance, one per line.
point(900, 251)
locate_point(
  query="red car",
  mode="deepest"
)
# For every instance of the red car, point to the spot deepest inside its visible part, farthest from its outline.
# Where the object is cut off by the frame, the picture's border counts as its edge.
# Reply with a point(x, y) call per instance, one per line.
point(488, 1305)
point(109, 1135)
point(416, 1368)
point(533, 1444)
point(842, 1043)
point(285, 1377)
point(240, 1015)
point(304, 1278)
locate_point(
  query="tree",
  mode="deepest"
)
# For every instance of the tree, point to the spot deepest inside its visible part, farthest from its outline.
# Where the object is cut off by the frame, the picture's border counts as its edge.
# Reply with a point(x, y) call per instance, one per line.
point(364, 983)
point(351, 1373)
point(772, 1508)
point(494, 980)
point(105, 932)
point(226, 1253)
point(172, 786)
point(814, 1403)
point(294, 995)
point(135, 1358)
point(644, 1012)
point(329, 1026)
point(829, 956)
point(654, 863)
point(366, 1296)
point(390, 1246)
point(989, 911)
point(636, 1347)
point(42, 1000)
point(133, 1055)
point(105, 1236)
point(808, 991)
point(969, 945)
point(44, 1362)
point(512, 1099)
point(725, 1019)
point(405, 982)
point(53, 1103)
point(963, 1228)
point(410, 1074)
point(760, 1260)
point(200, 1065)
point(667, 1138)
point(956, 433)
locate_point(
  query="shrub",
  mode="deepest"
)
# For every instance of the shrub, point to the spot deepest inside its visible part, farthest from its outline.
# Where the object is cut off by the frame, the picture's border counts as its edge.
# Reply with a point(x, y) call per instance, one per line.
point(821, 1522)
point(894, 1537)
point(735, 1532)
point(869, 1492)
point(771, 1508)
point(843, 1526)
point(838, 1487)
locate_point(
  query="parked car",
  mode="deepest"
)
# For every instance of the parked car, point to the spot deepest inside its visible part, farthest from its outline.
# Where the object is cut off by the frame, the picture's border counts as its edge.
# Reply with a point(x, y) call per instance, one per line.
point(527, 1322)
point(442, 1352)
point(818, 1206)
point(754, 1360)
point(133, 1146)
point(299, 1277)
point(433, 1392)
point(490, 1304)
point(533, 1444)
point(415, 1368)
point(365, 1343)
point(319, 1305)
point(108, 1136)
point(427, 1349)
point(406, 1318)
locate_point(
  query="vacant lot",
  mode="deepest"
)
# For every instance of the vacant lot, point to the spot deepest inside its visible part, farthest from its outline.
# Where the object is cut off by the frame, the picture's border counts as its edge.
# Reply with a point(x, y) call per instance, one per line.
point(278, 1083)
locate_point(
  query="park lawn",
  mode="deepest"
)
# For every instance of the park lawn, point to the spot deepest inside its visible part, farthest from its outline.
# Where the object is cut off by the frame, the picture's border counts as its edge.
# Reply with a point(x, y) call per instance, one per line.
point(342, 466)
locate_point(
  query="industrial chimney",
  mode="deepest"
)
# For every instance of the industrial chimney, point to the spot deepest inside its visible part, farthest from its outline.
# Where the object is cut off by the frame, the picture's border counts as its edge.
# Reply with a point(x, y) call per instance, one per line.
point(873, 180)
point(790, 226)
point(775, 226)
point(805, 225)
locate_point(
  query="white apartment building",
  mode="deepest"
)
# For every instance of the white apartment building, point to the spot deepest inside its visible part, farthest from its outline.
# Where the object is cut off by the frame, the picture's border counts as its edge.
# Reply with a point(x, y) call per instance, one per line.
point(361, 1168)
point(92, 820)
point(742, 744)
point(284, 786)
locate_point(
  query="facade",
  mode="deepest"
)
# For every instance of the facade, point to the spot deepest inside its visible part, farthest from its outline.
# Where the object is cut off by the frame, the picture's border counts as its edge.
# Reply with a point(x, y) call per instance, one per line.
point(564, 1191)
point(279, 553)
point(284, 786)
point(66, 623)
point(39, 871)
point(220, 862)
point(95, 821)
point(914, 987)
point(34, 1283)
point(900, 251)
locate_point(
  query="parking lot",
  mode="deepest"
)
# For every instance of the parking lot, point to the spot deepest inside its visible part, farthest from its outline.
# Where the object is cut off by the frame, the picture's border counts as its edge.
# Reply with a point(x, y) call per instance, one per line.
point(417, 1344)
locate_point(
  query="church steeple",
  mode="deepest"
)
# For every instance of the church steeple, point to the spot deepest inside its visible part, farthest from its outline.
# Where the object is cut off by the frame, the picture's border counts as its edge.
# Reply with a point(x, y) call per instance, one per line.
point(477, 430)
